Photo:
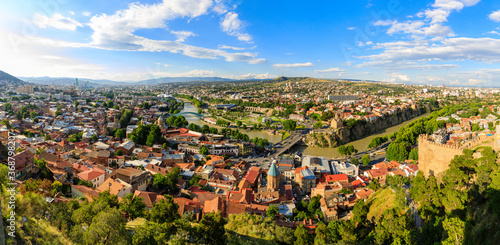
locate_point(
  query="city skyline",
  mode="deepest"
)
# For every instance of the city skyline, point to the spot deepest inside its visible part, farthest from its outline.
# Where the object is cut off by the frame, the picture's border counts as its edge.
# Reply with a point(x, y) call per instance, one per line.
point(432, 42)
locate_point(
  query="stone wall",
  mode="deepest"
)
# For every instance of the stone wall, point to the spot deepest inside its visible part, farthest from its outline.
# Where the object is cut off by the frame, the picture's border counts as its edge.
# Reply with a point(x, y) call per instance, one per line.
point(434, 158)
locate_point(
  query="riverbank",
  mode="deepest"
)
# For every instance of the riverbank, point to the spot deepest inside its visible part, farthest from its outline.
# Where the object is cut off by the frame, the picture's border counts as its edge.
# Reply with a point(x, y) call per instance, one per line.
point(190, 107)
point(361, 144)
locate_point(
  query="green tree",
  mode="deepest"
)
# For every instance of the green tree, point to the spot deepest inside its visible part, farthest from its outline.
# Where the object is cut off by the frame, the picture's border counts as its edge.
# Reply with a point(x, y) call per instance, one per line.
point(204, 150)
point(455, 230)
point(57, 186)
point(7, 106)
point(132, 206)
point(318, 125)
point(289, 125)
point(413, 154)
point(107, 227)
point(159, 181)
point(272, 211)
point(321, 234)
point(365, 160)
point(6, 123)
point(355, 161)
point(119, 153)
point(211, 229)
point(120, 133)
point(398, 151)
point(4, 178)
point(301, 236)
point(342, 150)
point(154, 136)
point(165, 211)
point(360, 212)
point(284, 235)
point(351, 150)
point(152, 233)
point(374, 185)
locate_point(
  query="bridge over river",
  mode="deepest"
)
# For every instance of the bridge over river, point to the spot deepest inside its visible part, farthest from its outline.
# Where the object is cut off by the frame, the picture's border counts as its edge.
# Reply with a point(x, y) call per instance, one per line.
point(285, 145)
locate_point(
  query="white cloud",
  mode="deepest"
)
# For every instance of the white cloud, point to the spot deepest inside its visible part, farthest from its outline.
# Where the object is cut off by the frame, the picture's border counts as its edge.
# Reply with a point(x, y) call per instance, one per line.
point(294, 65)
point(437, 30)
point(220, 7)
point(230, 47)
point(256, 76)
point(232, 25)
point(397, 77)
point(462, 48)
point(495, 16)
point(86, 13)
point(431, 24)
point(161, 64)
point(437, 15)
point(51, 57)
point(56, 21)
point(333, 69)
point(448, 4)
point(409, 27)
point(182, 35)
point(494, 32)
point(116, 31)
point(474, 81)
point(351, 28)
point(198, 73)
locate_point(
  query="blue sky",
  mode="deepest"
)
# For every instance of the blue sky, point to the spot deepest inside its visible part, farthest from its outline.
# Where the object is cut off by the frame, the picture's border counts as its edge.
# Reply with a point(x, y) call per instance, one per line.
point(455, 42)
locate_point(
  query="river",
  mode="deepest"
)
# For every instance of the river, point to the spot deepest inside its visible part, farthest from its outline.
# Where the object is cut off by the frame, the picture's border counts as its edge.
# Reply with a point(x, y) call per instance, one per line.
point(360, 144)
point(189, 107)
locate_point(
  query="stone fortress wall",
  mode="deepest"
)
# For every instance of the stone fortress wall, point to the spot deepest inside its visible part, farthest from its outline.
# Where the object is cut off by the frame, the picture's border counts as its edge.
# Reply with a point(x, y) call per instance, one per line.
point(435, 158)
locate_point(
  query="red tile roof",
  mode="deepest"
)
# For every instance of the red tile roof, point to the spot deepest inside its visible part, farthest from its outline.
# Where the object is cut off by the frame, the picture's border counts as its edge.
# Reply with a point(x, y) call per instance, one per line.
point(337, 177)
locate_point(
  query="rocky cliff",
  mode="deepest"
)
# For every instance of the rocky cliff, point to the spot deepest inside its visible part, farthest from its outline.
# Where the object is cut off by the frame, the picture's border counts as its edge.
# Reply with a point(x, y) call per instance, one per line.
point(333, 138)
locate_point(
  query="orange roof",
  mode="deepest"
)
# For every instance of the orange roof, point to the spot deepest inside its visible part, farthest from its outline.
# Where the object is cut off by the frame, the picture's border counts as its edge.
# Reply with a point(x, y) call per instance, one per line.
point(91, 174)
point(337, 177)
point(149, 198)
point(297, 170)
point(114, 188)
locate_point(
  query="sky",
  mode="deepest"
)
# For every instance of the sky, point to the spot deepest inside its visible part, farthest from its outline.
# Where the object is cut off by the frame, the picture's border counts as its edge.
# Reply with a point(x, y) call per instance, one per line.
point(451, 42)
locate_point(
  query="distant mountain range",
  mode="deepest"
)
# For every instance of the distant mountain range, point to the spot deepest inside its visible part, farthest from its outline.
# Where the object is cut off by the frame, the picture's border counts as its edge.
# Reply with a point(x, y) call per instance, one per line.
point(103, 82)
point(7, 79)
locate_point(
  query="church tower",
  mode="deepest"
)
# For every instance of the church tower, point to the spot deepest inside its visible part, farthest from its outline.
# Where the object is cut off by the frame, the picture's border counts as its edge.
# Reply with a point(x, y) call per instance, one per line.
point(273, 178)
point(336, 122)
point(160, 122)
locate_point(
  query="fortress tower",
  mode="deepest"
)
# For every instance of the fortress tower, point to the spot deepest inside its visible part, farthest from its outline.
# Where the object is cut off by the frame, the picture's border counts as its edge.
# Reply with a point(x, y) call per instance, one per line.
point(496, 145)
point(434, 158)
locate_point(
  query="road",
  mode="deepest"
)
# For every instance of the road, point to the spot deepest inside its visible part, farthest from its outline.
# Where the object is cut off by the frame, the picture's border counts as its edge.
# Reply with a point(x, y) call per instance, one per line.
point(284, 145)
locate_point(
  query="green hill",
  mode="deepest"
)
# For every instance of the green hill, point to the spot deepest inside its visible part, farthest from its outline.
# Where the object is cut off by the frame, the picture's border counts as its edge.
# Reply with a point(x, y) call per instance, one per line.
point(7, 79)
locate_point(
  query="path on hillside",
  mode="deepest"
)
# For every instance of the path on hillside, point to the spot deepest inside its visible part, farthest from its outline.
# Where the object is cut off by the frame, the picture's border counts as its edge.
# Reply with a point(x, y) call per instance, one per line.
point(414, 211)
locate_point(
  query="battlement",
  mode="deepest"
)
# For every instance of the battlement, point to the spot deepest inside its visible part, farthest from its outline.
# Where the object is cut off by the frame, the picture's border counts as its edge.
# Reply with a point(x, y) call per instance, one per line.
point(425, 139)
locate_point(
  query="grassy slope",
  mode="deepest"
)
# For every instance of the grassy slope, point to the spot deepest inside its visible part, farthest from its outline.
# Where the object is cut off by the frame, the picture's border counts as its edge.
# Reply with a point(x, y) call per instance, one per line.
point(379, 202)
point(47, 234)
